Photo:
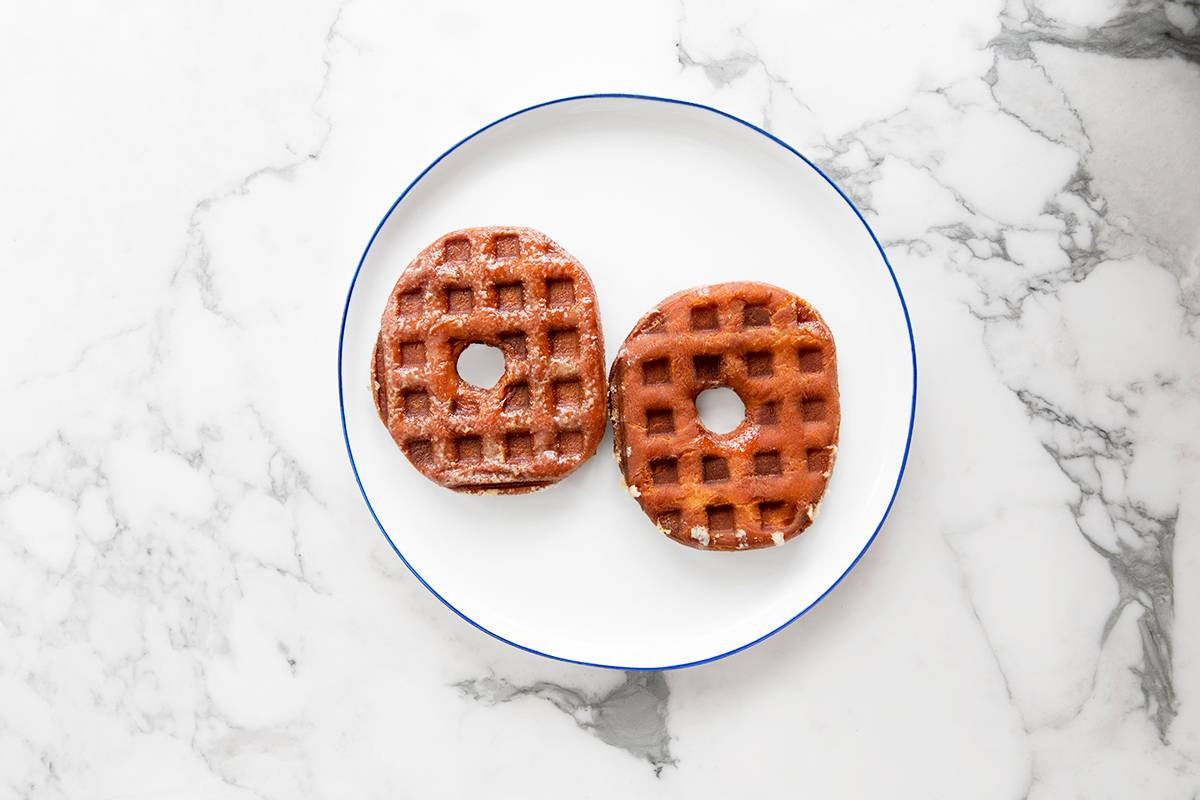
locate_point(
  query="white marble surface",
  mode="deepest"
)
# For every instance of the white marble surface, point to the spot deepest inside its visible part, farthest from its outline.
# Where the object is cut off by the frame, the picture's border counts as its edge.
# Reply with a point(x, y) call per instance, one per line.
point(194, 602)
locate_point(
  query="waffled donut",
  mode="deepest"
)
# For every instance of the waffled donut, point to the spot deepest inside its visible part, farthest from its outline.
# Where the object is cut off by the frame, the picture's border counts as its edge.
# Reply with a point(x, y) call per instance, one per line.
point(515, 289)
point(760, 484)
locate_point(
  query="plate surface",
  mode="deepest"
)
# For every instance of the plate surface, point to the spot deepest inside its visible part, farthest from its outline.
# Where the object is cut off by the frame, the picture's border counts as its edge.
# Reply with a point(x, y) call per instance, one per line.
point(652, 196)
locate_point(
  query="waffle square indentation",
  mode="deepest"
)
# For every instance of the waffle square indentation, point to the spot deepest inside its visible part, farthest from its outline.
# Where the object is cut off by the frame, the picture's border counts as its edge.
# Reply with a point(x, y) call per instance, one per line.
point(560, 293)
point(568, 394)
point(420, 452)
point(812, 410)
point(714, 469)
point(760, 364)
point(468, 449)
point(518, 446)
point(416, 403)
point(664, 471)
point(755, 317)
point(809, 359)
point(707, 368)
point(660, 421)
point(510, 296)
point(457, 250)
point(512, 344)
point(569, 443)
point(410, 304)
point(720, 518)
point(768, 413)
point(704, 318)
point(412, 354)
point(656, 371)
point(564, 343)
point(459, 299)
point(767, 463)
point(506, 245)
point(516, 397)
point(776, 514)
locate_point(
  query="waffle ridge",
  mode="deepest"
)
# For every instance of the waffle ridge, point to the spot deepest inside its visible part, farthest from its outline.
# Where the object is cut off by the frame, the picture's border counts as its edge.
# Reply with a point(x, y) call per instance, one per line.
point(517, 290)
point(760, 484)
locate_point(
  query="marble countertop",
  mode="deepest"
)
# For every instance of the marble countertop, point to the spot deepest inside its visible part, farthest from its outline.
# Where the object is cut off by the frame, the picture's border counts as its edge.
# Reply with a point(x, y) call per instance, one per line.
point(195, 603)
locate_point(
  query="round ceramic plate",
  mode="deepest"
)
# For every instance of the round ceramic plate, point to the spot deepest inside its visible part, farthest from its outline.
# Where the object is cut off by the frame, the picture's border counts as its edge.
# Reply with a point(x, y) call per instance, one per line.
point(652, 196)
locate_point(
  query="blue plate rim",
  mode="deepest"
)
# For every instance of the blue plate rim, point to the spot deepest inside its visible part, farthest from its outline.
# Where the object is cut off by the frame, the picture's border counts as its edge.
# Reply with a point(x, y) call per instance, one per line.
point(656, 99)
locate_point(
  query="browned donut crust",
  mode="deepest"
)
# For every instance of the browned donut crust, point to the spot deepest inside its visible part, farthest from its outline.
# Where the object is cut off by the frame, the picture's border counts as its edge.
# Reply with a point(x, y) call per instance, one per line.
point(760, 484)
point(515, 289)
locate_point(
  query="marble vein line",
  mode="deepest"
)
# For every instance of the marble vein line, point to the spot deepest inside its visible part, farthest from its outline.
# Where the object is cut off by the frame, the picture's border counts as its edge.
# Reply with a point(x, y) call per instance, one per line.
point(145, 563)
point(195, 262)
point(1141, 30)
point(632, 716)
point(1141, 565)
point(724, 71)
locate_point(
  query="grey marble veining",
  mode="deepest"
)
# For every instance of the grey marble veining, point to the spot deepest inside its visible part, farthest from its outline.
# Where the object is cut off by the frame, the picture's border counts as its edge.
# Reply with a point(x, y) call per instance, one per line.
point(631, 716)
point(196, 260)
point(193, 602)
point(1140, 560)
point(1143, 29)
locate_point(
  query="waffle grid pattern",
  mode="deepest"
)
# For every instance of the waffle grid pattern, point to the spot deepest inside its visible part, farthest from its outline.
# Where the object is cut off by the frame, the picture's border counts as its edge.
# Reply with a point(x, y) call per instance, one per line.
point(759, 484)
point(516, 290)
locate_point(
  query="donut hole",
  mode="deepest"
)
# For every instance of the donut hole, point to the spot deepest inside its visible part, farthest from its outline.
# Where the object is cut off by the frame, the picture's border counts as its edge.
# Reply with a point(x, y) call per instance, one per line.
point(720, 409)
point(480, 365)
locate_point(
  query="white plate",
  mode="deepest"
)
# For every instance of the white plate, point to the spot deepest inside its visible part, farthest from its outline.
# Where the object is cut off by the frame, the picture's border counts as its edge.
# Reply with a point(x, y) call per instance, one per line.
point(652, 196)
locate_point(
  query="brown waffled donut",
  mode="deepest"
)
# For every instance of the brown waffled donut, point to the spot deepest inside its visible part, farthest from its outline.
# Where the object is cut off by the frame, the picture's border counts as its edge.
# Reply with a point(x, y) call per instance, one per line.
point(515, 289)
point(760, 484)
